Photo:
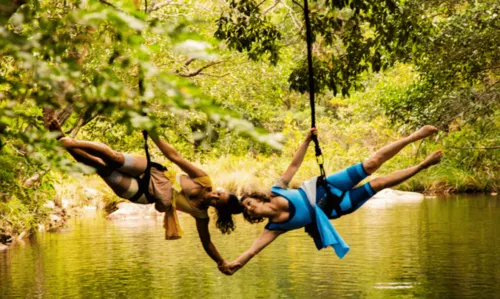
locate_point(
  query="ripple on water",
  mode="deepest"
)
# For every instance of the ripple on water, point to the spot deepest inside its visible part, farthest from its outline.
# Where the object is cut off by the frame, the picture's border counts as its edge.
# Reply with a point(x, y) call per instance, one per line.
point(434, 248)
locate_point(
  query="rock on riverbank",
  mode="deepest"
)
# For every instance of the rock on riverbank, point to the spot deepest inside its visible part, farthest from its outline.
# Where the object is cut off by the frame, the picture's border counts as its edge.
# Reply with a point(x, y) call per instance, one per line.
point(390, 194)
point(127, 210)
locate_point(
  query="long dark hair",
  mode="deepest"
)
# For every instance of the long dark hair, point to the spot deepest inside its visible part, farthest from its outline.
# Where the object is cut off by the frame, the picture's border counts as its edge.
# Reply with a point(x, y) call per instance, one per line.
point(224, 220)
point(264, 197)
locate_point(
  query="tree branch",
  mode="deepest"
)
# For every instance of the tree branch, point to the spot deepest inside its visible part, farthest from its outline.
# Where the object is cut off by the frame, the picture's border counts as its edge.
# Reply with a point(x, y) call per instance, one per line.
point(188, 62)
point(109, 4)
point(213, 75)
point(276, 2)
point(298, 4)
point(157, 6)
point(198, 71)
point(64, 114)
point(298, 24)
point(260, 3)
point(82, 122)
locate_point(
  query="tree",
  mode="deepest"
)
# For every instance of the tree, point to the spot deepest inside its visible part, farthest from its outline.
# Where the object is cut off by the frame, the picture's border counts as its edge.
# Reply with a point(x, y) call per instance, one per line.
point(351, 37)
point(457, 57)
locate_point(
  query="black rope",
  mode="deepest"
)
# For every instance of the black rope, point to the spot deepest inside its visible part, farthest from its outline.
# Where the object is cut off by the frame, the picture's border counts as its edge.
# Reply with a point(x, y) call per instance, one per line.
point(330, 202)
point(146, 149)
point(140, 84)
point(144, 181)
point(309, 39)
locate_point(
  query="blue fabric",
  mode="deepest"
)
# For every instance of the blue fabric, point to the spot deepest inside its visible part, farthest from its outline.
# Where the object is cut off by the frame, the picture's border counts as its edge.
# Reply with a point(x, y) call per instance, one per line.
point(341, 184)
point(353, 199)
point(300, 218)
point(348, 178)
point(328, 235)
point(305, 214)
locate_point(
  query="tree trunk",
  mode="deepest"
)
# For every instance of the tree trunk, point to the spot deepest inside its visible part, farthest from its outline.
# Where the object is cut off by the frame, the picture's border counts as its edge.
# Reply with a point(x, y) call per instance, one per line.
point(64, 114)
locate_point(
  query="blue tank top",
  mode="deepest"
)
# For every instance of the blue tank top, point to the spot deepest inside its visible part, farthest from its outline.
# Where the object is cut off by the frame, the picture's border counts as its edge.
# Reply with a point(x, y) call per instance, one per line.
point(299, 209)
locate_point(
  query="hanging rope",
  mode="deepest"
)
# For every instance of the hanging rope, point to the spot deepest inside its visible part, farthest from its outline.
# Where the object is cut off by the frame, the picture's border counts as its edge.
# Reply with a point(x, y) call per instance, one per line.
point(330, 201)
point(145, 179)
point(309, 39)
point(140, 84)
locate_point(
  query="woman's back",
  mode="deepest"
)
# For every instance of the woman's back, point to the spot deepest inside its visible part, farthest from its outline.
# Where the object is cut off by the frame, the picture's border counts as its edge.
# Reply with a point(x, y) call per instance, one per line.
point(299, 214)
point(187, 193)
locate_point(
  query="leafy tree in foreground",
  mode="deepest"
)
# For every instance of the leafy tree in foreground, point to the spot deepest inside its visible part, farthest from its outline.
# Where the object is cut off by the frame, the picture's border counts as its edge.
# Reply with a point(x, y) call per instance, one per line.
point(85, 62)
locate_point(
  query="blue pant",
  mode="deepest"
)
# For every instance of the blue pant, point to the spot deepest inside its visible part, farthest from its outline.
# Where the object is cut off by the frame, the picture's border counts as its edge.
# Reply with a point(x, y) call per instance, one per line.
point(342, 183)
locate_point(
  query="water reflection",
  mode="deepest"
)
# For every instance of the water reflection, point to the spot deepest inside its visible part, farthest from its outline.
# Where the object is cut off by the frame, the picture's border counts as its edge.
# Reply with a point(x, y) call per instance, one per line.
point(432, 248)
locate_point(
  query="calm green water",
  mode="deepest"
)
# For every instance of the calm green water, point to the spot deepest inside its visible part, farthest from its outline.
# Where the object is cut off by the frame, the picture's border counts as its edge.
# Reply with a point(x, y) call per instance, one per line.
point(433, 248)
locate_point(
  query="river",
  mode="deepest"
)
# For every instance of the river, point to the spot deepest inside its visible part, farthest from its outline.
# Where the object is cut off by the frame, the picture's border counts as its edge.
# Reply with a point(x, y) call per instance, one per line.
point(444, 247)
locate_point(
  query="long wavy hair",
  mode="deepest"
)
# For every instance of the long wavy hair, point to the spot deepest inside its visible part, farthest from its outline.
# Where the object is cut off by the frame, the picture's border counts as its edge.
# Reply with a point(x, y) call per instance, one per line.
point(264, 197)
point(224, 220)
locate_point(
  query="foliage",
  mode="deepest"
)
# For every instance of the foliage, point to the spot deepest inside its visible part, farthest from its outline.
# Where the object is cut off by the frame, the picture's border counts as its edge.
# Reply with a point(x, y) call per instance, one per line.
point(102, 65)
point(95, 61)
point(457, 62)
point(351, 38)
point(244, 29)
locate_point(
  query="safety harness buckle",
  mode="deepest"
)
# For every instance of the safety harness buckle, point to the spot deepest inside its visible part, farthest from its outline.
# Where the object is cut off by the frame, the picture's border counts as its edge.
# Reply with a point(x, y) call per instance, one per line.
point(320, 159)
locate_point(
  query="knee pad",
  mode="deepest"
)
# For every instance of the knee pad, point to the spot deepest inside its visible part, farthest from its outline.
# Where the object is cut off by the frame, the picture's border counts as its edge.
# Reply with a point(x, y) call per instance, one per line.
point(115, 178)
point(128, 163)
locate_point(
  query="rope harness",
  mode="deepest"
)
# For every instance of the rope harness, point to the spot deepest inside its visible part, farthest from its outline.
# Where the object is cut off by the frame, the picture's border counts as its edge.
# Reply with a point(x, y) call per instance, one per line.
point(146, 177)
point(330, 201)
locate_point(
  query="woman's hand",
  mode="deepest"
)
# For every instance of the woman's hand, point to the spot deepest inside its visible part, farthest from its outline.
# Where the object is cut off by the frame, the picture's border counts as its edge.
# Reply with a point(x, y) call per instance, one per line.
point(234, 266)
point(230, 268)
point(310, 133)
point(224, 267)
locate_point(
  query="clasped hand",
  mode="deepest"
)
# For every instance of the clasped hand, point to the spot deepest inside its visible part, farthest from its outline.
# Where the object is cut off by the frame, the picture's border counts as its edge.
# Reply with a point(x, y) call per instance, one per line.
point(229, 268)
point(310, 133)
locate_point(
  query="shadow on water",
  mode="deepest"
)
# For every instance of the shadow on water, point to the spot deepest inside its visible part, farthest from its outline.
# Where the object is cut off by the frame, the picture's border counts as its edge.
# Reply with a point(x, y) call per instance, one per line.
point(433, 248)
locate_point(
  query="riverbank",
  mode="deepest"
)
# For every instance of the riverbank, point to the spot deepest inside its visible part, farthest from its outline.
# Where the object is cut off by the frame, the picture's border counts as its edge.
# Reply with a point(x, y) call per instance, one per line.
point(28, 209)
point(74, 195)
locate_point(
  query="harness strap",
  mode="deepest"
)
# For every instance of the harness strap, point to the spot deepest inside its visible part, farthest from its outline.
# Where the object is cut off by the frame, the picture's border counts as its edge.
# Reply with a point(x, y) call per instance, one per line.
point(330, 201)
point(147, 173)
point(146, 177)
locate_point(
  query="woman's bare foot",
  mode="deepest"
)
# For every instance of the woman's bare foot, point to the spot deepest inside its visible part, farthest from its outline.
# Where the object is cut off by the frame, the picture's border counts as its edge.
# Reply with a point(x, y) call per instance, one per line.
point(432, 159)
point(48, 116)
point(67, 142)
point(54, 126)
point(425, 131)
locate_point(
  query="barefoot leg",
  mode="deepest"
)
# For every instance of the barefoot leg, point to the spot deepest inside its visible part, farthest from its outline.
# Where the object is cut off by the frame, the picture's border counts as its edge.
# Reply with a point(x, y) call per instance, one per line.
point(112, 158)
point(122, 184)
point(387, 152)
point(400, 176)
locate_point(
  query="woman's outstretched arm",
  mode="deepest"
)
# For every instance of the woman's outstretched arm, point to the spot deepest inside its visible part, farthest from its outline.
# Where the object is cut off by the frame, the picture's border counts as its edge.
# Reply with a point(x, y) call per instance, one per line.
point(287, 176)
point(203, 232)
point(174, 156)
point(266, 238)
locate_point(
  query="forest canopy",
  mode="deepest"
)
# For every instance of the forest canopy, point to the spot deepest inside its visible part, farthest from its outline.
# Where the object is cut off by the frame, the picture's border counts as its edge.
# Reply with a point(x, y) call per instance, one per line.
point(229, 77)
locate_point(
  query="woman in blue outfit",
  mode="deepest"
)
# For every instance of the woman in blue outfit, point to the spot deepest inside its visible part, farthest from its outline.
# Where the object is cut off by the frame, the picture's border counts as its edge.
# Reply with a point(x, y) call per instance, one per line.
point(289, 209)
